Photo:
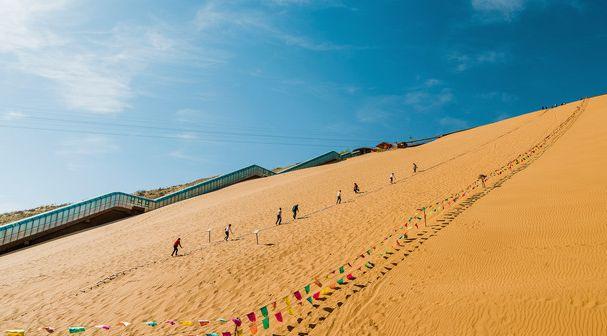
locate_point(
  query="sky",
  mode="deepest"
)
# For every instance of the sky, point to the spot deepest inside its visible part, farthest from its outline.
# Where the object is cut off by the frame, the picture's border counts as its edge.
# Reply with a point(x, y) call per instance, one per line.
point(102, 96)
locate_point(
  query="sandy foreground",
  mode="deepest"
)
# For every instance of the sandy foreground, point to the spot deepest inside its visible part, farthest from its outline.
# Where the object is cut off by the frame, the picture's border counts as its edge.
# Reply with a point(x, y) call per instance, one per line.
point(527, 257)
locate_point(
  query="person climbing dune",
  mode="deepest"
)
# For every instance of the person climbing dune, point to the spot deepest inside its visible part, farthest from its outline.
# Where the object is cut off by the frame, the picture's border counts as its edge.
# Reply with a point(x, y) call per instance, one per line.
point(176, 246)
point(295, 210)
point(228, 231)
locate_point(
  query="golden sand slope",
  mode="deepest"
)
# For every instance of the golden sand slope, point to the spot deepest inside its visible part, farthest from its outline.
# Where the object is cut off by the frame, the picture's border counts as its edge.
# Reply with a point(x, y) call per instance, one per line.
point(529, 258)
point(123, 272)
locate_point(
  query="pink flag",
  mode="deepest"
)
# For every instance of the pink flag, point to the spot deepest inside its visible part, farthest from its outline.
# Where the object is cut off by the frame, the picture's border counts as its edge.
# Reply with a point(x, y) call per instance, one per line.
point(278, 316)
point(251, 317)
point(226, 333)
point(171, 322)
point(350, 276)
point(316, 295)
point(297, 295)
point(237, 321)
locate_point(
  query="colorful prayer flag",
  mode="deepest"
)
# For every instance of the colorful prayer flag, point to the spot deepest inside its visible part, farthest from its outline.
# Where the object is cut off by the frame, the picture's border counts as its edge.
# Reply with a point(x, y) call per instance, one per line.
point(251, 317)
point(278, 316)
point(151, 323)
point(340, 281)
point(237, 321)
point(309, 298)
point(266, 323)
point(318, 283)
point(350, 276)
point(307, 289)
point(103, 326)
point(71, 330)
point(186, 323)
point(253, 328)
point(226, 333)
point(297, 295)
point(264, 311)
point(15, 332)
point(201, 322)
point(171, 322)
point(222, 320)
point(125, 324)
point(316, 295)
point(341, 269)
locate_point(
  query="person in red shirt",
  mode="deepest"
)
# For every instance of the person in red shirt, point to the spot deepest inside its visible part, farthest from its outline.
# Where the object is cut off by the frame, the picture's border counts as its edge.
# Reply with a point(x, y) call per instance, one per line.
point(176, 246)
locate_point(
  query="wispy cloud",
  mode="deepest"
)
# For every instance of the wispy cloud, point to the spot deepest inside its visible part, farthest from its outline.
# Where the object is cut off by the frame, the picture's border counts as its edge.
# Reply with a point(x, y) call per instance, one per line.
point(464, 61)
point(90, 145)
point(12, 115)
point(453, 123)
point(498, 9)
point(218, 17)
point(428, 100)
point(90, 71)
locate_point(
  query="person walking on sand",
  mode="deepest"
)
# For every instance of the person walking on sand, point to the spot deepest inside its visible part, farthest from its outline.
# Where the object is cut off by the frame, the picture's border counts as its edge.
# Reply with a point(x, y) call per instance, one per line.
point(414, 168)
point(482, 177)
point(338, 197)
point(176, 246)
point(392, 178)
point(356, 189)
point(279, 216)
point(295, 210)
point(228, 230)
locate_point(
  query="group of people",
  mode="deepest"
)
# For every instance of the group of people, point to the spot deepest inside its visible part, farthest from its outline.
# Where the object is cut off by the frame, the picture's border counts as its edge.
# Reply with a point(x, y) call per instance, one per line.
point(295, 210)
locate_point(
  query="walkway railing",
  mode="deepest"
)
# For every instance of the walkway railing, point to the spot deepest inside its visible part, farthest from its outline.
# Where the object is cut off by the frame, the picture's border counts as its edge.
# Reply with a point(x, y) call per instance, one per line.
point(37, 225)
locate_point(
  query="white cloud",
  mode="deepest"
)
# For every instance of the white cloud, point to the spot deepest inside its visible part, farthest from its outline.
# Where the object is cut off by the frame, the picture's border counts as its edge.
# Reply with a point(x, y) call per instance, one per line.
point(12, 115)
point(464, 61)
point(503, 9)
point(89, 145)
point(217, 18)
point(90, 71)
point(425, 100)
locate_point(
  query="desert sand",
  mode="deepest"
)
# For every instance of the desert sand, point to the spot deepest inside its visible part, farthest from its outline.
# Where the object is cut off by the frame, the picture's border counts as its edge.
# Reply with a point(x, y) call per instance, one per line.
point(524, 256)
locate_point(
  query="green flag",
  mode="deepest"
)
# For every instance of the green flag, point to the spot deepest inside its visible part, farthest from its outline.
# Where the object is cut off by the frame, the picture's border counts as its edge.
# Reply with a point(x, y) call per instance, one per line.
point(266, 323)
point(341, 270)
point(307, 289)
point(340, 281)
point(264, 311)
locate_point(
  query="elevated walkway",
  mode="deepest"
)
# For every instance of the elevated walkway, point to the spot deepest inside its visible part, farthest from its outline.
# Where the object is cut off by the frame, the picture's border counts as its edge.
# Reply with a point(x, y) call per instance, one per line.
point(117, 205)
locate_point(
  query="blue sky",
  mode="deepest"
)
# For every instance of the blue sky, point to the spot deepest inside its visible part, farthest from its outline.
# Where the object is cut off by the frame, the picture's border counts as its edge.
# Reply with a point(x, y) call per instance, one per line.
point(100, 96)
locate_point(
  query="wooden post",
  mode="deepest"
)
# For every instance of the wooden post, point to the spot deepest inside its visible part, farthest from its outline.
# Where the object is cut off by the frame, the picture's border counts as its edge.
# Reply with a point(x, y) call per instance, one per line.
point(256, 232)
point(209, 231)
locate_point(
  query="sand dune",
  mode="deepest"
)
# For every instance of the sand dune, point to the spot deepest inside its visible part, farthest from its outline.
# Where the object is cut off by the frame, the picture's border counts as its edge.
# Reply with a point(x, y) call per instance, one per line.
point(525, 258)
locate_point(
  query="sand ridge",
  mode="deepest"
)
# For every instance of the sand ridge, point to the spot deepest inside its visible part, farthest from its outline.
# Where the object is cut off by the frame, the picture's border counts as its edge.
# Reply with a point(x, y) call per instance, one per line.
point(44, 284)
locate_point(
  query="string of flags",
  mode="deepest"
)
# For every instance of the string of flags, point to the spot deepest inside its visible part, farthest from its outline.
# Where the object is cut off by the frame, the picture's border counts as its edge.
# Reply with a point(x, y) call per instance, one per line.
point(265, 316)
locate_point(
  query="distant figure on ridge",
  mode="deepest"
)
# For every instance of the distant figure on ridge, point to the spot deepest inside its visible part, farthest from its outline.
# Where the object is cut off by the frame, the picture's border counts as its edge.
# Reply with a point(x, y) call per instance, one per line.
point(295, 210)
point(279, 216)
point(356, 189)
point(392, 178)
point(414, 168)
point(482, 177)
point(176, 246)
point(228, 230)
point(338, 197)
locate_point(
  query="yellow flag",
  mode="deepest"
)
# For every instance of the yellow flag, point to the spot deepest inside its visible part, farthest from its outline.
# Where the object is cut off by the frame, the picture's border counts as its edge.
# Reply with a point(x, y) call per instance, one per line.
point(186, 323)
point(15, 332)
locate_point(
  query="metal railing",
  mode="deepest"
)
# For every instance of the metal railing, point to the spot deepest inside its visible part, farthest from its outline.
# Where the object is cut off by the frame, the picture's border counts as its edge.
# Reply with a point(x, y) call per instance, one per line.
point(56, 218)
